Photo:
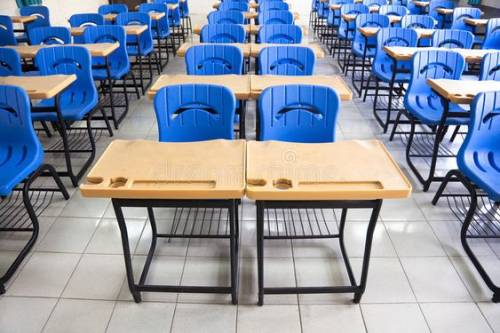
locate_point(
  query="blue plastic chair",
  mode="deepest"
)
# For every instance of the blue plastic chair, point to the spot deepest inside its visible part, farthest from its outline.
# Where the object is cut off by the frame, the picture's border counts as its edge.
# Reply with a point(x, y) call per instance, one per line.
point(450, 38)
point(214, 60)
point(160, 29)
point(394, 10)
point(334, 16)
point(492, 41)
point(275, 17)
point(223, 33)
point(119, 65)
point(286, 60)
point(234, 5)
point(10, 62)
point(298, 113)
point(42, 19)
point(374, 3)
point(442, 21)
point(347, 30)
point(490, 67)
point(7, 36)
point(418, 22)
point(273, 5)
point(226, 17)
point(194, 112)
point(85, 20)
point(116, 8)
point(50, 36)
point(462, 13)
point(280, 34)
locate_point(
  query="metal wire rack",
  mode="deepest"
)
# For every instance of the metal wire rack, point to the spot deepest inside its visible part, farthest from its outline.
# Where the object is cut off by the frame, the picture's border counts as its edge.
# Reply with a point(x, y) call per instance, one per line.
point(199, 223)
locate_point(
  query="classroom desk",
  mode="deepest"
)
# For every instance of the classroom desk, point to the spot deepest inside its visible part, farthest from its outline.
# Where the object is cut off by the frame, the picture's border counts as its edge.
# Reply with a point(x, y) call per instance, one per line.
point(352, 17)
point(252, 29)
point(245, 48)
point(130, 30)
point(337, 6)
point(372, 31)
point(476, 22)
point(251, 4)
point(204, 181)
point(402, 53)
point(459, 92)
point(96, 50)
point(23, 19)
point(40, 87)
point(254, 15)
point(421, 4)
point(294, 184)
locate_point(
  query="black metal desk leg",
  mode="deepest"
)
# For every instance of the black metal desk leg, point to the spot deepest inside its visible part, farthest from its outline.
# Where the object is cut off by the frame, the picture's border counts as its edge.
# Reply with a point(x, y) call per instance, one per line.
point(234, 253)
point(126, 251)
point(368, 248)
point(260, 250)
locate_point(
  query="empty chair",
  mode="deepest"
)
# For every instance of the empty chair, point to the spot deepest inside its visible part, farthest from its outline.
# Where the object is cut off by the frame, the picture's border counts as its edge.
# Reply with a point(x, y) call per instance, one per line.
point(226, 17)
point(286, 60)
point(234, 5)
point(280, 34)
point(347, 29)
point(160, 29)
point(275, 17)
point(462, 13)
point(450, 38)
point(85, 20)
point(334, 16)
point(116, 8)
point(298, 113)
point(492, 41)
point(273, 5)
point(443, 21)
point(214, 60)
point(393, 10)
point(490, 67)
point(374, 4)
point(223, 33)
point(22, 158)
point(42, 19)
point(10, 62)
point(6, 31)
point(418, 22)
point(50, 36)
point(194, 112)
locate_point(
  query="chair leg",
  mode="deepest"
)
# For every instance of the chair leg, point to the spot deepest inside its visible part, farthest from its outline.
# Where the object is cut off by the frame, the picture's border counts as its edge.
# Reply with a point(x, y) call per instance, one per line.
point(106, 121)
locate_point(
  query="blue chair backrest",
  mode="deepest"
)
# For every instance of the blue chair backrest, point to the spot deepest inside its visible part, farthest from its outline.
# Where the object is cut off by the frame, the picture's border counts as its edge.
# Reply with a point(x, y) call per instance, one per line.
point(298, 113)
point(368, 20)
point(374, 3)
point(10, 62)
point(214, 60)
point(418, 22)
point(450, 38)
point(490, 67)
point(194, 112)
point(492, 26)
point(174, 15)
point(16, 128)
point(41, 13)
point(431, 64)
point(226, 17)
point(109, 34)
point(275, 17)
point(286, 60)
point(347, 30)
point(333, 16)
point(273, 5)
point(462, 13)
point(50, 36)
point(434, 5)
point(184, 8)
point(163, 23)
point(393, 37)
point(7, 36)
point(137, 18)
point(234, 5)
point(223, 33)
point(395, 10)
point(69, 60)
point(116, 8)
point(84, 20)
point(280, 34)
point(492, 41)
point(479, 154)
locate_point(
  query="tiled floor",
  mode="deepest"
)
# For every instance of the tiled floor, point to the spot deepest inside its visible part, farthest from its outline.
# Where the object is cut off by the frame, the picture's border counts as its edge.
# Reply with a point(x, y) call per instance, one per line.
point(419, 279)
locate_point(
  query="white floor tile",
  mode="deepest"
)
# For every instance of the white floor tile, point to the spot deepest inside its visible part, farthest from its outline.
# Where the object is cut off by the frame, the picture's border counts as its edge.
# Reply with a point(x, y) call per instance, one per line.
point(24, 315)
point(394, 318)
point(164, 246)
point(145, 317)
point(75, 316)
point(269, 319)
point(69, 235)
point(107, 238)
point(79, 206)
point(355, 236)
point(331, 318)
point(204, 317)
point(414, 239)
point(491, 312)
point(455, 317)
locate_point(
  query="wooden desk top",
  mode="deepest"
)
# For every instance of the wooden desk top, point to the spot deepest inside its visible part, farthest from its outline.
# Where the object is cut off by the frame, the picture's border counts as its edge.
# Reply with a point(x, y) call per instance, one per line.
point(352, 17)
point(96, 50)
point(457, 91)
point(238, 84)
point(245, 48)
point(254, 15)
point(110, 17)
point(40, 87)
point(156, 16)
point(345, 170)
point(143, 169)
point(406, 53)
point(256, 48)
point(421, 4)
point(260, 82)
point(444, 11)
point(173, 6)
point(23, 19)
point(252, 29)
point(251, 4)
point(476, 22)
point(130, 30)
point(372, 31)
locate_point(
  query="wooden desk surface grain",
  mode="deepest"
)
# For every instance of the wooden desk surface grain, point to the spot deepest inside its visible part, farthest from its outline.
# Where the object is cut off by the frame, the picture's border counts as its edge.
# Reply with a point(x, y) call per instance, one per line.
point(460, 92)
point(40, 87)
point(96, 50)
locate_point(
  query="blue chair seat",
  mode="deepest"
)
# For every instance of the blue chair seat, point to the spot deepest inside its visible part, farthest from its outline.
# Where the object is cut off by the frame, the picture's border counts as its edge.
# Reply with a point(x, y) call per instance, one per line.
point(386, 75)
point(133, 50)
point(75, 110)
point(422, 104)
point(18, 161)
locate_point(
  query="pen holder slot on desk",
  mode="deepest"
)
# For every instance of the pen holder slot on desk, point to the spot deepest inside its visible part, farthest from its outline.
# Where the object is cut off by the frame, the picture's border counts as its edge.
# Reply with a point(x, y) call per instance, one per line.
point(282, 184)
point(118, 182)
point(257, 182)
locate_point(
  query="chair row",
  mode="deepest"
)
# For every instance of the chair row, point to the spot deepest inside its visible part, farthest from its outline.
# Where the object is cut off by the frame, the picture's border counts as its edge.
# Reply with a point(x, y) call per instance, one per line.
point(236, 33)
